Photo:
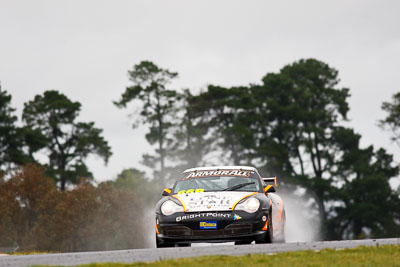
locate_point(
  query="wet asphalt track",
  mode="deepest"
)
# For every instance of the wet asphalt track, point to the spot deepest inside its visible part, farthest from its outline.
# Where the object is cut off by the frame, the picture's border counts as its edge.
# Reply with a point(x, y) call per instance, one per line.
point(152, 254)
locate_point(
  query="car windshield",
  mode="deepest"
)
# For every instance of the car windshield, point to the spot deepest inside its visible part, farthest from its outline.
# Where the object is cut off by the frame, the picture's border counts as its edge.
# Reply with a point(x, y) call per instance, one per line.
point(224, 180)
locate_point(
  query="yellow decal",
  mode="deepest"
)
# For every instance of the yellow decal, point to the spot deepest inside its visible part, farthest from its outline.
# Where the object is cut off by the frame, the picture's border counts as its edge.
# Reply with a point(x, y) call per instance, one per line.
point(199, 190)
point(267, 187)
point(167, 190)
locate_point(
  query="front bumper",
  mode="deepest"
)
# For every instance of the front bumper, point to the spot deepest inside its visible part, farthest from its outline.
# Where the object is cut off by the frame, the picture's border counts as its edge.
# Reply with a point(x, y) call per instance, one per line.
point(230, 226)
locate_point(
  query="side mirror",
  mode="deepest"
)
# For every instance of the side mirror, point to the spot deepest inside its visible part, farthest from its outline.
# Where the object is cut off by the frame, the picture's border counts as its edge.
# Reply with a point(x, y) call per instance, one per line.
point(270, 180)
point(166, 192)
point(269, 189)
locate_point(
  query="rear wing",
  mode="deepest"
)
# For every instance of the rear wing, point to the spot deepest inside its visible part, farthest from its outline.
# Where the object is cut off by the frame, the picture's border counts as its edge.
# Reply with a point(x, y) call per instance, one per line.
point(270, 180)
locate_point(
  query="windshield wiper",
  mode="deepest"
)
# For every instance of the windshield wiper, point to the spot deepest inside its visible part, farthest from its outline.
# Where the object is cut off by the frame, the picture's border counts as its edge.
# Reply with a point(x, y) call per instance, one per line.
point(237, 186)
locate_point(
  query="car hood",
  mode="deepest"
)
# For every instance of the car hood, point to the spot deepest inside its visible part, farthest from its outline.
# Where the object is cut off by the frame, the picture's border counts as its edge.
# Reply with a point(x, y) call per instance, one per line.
point(211, 201)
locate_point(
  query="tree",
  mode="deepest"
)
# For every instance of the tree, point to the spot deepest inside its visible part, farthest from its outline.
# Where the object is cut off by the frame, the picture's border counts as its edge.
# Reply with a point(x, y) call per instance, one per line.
point(297, 114)
point(365, 205)
point(192, 138)
point(392, 120)
point(11, 137)
point(136, 182)
point(224, 116)
point(158, 110)
point(68, 142)
point(295, 118)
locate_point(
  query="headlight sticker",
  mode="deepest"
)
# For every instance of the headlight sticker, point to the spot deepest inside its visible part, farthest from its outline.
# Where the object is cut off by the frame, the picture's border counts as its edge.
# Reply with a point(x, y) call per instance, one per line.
point(182, 203)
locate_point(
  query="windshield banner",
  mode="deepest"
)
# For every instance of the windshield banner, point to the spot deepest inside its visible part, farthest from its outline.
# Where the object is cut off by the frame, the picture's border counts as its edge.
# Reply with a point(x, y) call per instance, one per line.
point(217, 173)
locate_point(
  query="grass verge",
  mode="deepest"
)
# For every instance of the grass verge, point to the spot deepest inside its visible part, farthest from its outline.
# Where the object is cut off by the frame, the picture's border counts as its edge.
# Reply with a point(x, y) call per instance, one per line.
point(361, 256)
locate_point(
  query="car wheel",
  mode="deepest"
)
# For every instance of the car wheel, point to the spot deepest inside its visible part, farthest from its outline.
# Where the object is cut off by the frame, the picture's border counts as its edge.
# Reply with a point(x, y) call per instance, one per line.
point(280, 238)
point(163, 245)
point(183, 245)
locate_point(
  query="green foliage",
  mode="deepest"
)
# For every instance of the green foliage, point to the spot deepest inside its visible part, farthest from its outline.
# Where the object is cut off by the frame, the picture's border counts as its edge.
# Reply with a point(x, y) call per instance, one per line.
point(392, 120)
point(226, 111)
point(11, 136)
point(301, 110)
point(191, 137)
point(369, 207)
point(50, 124)
point(157, 108)
point(136, 182)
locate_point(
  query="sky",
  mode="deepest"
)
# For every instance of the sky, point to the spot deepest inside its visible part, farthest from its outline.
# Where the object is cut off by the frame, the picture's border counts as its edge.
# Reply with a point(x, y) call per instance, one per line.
point(85, 48)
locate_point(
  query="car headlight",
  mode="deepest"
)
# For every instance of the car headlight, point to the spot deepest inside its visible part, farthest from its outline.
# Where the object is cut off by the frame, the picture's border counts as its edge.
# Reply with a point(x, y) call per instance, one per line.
point(250, 205)
point(169, 207)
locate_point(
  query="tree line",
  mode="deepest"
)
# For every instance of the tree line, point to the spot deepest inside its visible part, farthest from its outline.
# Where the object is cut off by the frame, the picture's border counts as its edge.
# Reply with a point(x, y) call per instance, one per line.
point(291, 125)
point(50, 128)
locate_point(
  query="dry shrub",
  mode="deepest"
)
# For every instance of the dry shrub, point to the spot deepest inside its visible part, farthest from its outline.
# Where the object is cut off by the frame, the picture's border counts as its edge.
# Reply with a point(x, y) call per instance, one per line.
point(35, 215)
point(24, 198)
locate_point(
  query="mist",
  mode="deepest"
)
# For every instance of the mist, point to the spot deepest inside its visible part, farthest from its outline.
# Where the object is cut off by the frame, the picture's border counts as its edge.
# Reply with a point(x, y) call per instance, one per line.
point(302, 222)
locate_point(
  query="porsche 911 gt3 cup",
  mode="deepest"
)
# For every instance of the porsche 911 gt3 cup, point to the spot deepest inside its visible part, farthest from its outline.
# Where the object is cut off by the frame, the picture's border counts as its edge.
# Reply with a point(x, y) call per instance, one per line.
point(220, 204)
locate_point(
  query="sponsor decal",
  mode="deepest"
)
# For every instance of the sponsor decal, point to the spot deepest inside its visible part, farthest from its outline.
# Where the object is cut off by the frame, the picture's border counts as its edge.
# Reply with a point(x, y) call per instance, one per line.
point(236, 217)
point(217, 173)
point(208, 225)
point(203, 215)
point(209, 201)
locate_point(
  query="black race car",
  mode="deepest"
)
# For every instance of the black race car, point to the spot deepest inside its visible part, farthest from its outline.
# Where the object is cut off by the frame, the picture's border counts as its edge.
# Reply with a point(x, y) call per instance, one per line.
point(220, 204)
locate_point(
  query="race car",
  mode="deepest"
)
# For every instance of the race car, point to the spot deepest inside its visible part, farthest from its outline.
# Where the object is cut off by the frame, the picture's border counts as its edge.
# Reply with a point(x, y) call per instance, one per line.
point(220, 204)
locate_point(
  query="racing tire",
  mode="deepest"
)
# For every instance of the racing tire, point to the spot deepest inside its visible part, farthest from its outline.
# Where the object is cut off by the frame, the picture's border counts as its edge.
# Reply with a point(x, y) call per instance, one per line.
point(183, 245)
point(269, 234)
point(280, 238)
point(164, 245)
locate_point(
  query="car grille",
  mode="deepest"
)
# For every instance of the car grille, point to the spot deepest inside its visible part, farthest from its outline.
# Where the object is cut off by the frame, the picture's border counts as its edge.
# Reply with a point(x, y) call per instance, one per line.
point(178, 231)
point(238, 229)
